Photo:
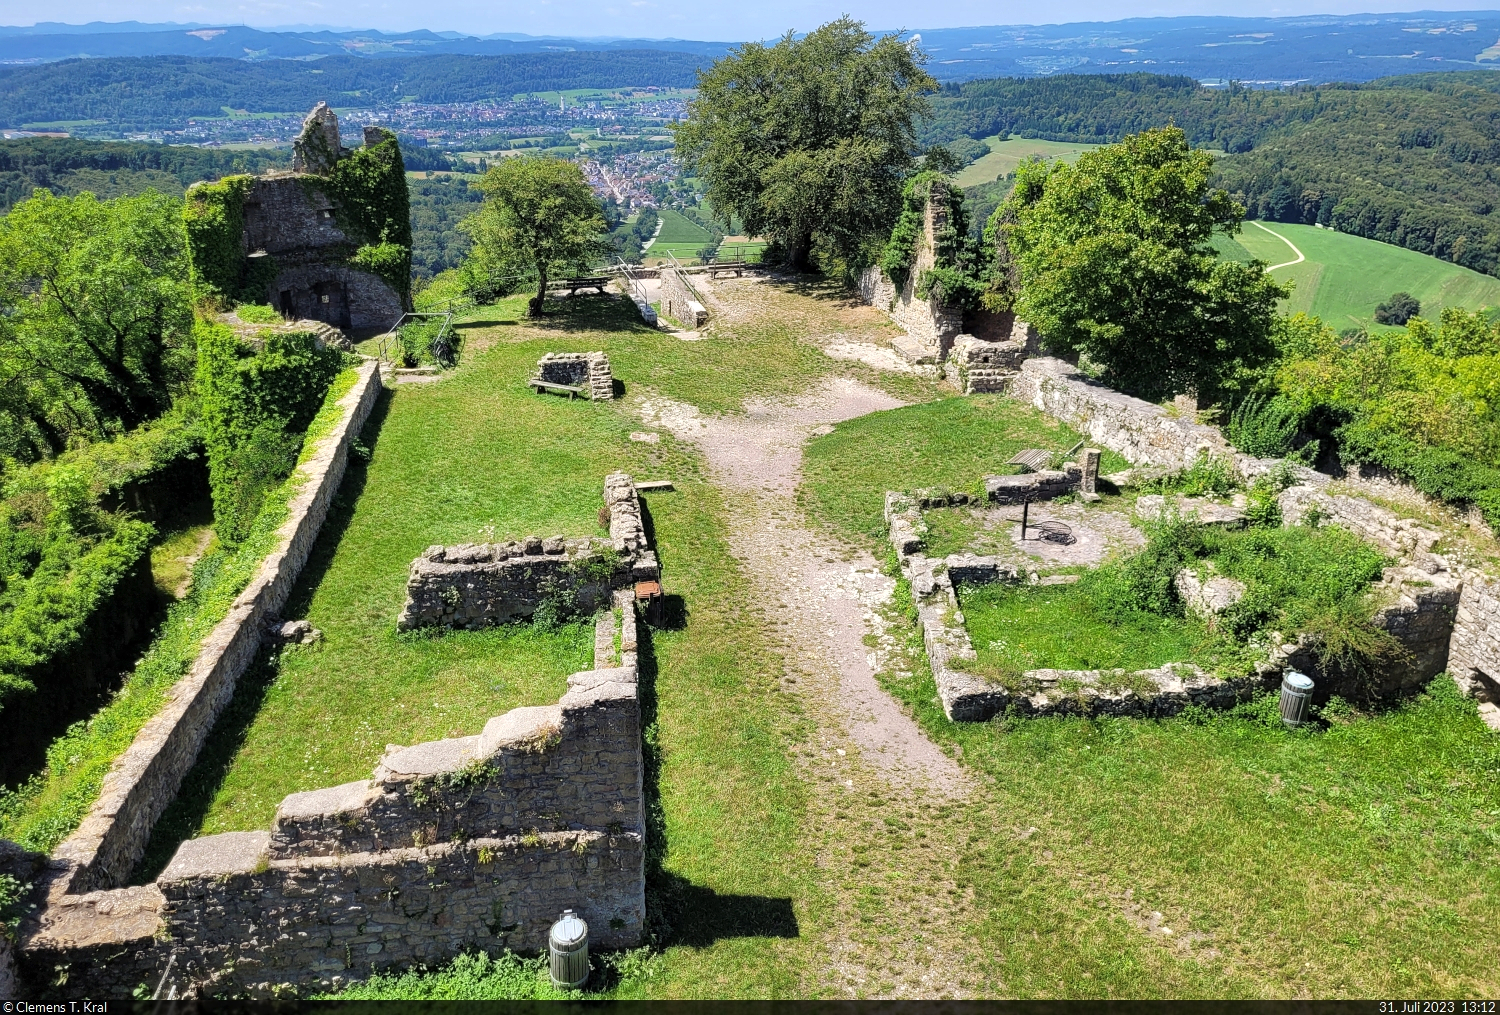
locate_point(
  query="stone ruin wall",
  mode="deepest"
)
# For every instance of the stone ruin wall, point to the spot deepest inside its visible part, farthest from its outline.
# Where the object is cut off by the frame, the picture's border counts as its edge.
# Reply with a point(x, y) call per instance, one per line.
point(938, 329)
point(1445, 614)
point(678, 301)
point(472, 843)
point(476, 585)
point(290, 218)
point(588, 370)
point(112, 837)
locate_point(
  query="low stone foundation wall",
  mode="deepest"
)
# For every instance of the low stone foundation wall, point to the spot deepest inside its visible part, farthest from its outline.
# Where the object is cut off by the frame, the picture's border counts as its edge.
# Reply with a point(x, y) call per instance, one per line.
point(967, 696)
point(473, 843)
point(1033, 486)
point(478, 584)
point(678, 301)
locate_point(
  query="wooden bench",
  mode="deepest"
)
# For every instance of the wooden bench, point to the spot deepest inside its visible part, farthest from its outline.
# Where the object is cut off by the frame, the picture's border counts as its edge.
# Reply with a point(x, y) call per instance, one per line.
point(575, 284)
point(541, 386)
point(1032, 459)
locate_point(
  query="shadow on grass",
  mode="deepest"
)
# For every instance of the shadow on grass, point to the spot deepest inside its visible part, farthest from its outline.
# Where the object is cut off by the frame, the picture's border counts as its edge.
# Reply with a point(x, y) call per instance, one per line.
point(184, 815)
point(678, 911)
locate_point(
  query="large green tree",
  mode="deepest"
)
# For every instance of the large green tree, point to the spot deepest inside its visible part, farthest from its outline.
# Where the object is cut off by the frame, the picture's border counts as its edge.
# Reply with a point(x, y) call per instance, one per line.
point(95, 317)
point(539, 218)
point(807, 141)
point(1111, 257)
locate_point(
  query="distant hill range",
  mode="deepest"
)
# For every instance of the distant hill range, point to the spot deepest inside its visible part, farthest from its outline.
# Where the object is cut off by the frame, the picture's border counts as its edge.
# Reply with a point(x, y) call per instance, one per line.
point(1309, 49)
point(47, 43)
point(139, 94)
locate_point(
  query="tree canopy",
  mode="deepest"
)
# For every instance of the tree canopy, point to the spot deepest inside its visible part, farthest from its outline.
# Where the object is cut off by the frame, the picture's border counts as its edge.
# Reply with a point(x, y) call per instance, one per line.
point(95, 317)
point(539, 218)
point(1111, 258)
point(807, 141)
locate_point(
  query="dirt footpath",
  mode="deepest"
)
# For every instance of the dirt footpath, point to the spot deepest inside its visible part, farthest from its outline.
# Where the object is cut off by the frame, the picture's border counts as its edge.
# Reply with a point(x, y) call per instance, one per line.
point(868, 764)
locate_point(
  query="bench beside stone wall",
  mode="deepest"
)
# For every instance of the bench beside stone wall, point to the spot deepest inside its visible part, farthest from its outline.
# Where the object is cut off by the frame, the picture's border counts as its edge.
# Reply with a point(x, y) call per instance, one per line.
point(587, 370)
point(144, 780)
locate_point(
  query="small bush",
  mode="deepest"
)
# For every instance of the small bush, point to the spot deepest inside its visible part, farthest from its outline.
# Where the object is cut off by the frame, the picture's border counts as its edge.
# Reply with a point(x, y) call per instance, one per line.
point(257, 313)
point(1264, 427)
point(1209, 475)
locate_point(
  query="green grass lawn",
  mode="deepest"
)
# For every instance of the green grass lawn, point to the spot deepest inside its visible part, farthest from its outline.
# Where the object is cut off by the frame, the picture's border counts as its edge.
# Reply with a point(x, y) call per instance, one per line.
point(1019, 628)
point(1344, 277)
point(1357, 861)
point(1006, 154)
point(949, 443)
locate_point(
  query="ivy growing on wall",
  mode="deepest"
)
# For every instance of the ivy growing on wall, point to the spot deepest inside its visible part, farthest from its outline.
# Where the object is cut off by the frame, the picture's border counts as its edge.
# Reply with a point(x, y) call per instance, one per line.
point(256, 405)
point(214, 216)
point(954, 277)
point(373, 208)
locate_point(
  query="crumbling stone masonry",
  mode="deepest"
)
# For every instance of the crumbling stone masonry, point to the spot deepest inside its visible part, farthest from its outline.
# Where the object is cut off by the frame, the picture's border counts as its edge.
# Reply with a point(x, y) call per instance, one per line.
point(967, 696)
point(476, 585)
point(472, 843)
point(587, 370)
point(678, 300)
point(1143, 433)
point(933, 328)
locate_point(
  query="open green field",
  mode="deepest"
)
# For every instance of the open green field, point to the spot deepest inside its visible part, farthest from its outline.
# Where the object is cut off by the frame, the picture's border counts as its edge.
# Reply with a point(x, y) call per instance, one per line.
point(680, 236)
point(1006, 154)
point(606, 96)
point(1344, 277)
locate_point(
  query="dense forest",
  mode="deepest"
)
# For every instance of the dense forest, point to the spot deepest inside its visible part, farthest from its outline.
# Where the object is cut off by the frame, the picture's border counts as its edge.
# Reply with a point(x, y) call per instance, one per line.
point(437, 206)
point(1411, 161)
point(148, 93)
point(69, 166)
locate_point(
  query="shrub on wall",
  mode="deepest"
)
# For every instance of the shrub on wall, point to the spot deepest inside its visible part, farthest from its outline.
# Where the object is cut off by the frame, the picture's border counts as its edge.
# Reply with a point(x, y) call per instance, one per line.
point(256, 404)
point(953, 278)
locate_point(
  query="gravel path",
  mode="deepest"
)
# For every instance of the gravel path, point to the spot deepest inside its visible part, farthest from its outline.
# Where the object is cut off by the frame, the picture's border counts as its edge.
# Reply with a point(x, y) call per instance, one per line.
point(829, 599)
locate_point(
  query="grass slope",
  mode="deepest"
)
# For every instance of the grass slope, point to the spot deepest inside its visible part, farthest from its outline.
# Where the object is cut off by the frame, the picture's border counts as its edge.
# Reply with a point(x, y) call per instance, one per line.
point(1344, 277)
point(1354, 862)
point(1005, 155)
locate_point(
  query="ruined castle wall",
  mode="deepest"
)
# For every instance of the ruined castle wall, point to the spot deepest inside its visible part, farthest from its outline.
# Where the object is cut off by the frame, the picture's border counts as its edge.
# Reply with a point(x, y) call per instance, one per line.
point(288, 214)
point(1141, 432)
point(320, 923)
point(475, 585)
point(473, 843)
point(355, 299)
point(140, 784)
point(1474, 648)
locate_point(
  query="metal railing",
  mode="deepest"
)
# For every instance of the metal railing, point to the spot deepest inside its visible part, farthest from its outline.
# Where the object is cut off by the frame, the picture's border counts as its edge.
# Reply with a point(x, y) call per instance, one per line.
point(441, 347)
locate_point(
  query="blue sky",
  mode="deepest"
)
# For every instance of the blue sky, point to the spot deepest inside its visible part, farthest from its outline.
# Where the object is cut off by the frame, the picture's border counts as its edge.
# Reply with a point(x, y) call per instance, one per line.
point(732, 21)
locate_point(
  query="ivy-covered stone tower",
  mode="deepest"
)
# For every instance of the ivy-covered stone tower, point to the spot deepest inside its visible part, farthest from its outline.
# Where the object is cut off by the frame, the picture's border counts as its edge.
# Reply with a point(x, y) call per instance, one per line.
point(329, 241)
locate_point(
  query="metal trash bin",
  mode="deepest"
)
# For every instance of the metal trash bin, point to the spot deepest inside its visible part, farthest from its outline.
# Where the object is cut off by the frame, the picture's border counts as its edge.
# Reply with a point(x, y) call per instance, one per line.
point(1296, 695)
point(568, 945)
